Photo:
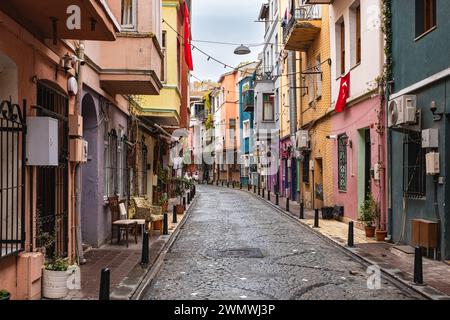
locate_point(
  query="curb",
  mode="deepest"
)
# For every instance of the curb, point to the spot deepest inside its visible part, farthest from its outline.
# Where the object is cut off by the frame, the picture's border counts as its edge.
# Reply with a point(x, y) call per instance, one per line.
point(151, 273)
point(424, 291)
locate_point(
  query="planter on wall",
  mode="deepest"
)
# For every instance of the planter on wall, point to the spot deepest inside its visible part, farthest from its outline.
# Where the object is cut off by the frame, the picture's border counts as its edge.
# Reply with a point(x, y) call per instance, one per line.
point(54, 284)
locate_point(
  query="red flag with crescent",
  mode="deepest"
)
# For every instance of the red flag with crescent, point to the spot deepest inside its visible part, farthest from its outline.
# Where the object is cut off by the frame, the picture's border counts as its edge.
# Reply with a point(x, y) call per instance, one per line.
point(187, 38)
point(343, 93)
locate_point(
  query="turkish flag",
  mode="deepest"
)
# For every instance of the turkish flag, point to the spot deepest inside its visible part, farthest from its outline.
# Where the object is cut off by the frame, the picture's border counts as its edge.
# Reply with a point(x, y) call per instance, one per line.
point(343, 93)
point(187, 39)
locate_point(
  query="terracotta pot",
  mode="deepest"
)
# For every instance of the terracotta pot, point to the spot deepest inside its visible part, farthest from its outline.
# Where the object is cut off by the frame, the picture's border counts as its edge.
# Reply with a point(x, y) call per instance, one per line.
point(370, 231)
point(381, 235)
point(179, 209)
point(7, 297)
point(165, 207)
point(54, 284)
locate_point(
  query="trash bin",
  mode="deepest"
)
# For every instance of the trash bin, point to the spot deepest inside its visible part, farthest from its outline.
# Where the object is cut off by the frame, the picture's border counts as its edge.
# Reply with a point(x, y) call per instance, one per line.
point(327, 213)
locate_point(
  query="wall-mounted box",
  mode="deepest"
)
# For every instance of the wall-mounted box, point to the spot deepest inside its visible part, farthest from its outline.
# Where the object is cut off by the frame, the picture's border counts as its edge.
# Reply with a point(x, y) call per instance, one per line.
point(432, 163)
point(75, 125)
point(42, 141)
point(430, 138)
point(78, 150)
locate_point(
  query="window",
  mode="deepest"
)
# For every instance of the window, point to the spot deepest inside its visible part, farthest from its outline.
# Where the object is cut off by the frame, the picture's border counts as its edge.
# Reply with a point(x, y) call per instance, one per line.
point(113, 149)
point(414, 166)
point(318, 77)
point(164, 64)
point(106, 163)
point(268, 107)
point(342, 162)
point(342, 41)
point(358, 33)
point(128, 14)
point(246, 129)
point(122, 167)
point(305, 172)
point(425, 16)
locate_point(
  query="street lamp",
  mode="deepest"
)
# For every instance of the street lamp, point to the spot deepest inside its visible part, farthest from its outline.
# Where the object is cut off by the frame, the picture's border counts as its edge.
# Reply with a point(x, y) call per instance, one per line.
point(242, 50)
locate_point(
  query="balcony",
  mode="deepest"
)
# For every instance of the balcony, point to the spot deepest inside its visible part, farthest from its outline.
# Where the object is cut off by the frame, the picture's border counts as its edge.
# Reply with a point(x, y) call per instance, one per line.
point(303, 27)
point(135, 70)
point(249, 100)
point(48, 19)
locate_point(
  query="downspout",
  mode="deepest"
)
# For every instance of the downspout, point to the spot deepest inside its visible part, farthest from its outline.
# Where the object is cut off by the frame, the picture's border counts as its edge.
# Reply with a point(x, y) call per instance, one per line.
point(292, 67)
point(78, 175)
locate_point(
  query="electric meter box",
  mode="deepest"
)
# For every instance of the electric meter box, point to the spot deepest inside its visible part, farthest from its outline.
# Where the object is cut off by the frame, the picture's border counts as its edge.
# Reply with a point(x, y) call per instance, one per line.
point(430, 138)
point(42, 142)
point(432, 163)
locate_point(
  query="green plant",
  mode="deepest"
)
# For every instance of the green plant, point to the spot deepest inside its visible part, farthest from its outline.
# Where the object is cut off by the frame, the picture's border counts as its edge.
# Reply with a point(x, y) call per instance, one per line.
point(163, 200)
point(57, 264)
point(162, 175)
point(4, 294)
point(368, 211)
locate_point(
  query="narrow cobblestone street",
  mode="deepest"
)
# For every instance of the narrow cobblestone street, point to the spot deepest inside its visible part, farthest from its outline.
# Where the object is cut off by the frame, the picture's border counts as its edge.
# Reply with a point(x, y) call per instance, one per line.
point(211, 257)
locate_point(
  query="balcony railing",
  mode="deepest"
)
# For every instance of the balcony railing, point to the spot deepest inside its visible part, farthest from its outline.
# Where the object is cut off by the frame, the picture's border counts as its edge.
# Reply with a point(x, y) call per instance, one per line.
point(305, 12)
point(249, 100)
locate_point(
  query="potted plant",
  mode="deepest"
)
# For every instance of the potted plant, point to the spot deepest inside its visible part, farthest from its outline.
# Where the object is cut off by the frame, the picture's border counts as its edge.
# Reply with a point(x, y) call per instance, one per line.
point(368, 213)
point(179, 192)
point(380, 232)
point(55, 278)
point(163, 202)
point(4, 295)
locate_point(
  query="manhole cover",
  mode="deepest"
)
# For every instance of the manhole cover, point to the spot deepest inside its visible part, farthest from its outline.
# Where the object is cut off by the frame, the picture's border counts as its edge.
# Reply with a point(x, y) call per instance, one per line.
point(246, 253)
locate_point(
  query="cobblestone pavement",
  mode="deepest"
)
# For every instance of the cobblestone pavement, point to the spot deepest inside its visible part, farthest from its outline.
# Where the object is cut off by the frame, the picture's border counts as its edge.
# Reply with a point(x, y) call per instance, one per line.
point(295, 263)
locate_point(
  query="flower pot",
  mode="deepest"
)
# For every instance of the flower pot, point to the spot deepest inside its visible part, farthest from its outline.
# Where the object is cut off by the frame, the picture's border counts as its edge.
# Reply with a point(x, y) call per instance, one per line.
point(179, 209)
point(381, 235)
point(370, 231)
point(6, 297)
point(165, 207)
point(54, 284)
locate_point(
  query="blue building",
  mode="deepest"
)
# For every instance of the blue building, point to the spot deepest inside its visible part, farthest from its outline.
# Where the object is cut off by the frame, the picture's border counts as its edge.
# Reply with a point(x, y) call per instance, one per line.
point(419, 100)
point(246, 119)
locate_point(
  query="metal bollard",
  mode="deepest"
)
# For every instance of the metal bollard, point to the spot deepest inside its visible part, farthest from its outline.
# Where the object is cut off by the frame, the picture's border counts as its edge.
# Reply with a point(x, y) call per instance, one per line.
point(268, 194)
point(287, 204)
point(351, 241)
point(166, 224)
point(144, 257)
point(254, 189)
point(228, 184)
point(264, 193)
point(418, 268)
point(184, 203)
point(104, 285)
point(174, 214)
point(302, 211)
point(248, 187)
point(222, 183)
point(277, 199)
point(316, 218)
point(259, 191)
point(240, 185)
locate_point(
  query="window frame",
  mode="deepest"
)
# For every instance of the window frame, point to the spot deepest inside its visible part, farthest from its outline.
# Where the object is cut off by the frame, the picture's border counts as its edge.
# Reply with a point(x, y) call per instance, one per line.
point(264, 115)
point(424, 23)
point(133, 25)
point(419, 192)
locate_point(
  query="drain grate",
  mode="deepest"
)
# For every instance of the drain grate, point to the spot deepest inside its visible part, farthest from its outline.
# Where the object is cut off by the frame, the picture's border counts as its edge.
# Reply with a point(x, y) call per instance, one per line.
point(245, 253)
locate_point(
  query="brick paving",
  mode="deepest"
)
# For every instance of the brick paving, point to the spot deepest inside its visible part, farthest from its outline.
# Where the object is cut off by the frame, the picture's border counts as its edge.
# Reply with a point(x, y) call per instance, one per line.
point(119, 259)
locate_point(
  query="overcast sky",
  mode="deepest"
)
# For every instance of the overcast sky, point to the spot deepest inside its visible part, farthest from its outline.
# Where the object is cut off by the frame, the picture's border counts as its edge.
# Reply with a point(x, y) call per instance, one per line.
point(224, 21)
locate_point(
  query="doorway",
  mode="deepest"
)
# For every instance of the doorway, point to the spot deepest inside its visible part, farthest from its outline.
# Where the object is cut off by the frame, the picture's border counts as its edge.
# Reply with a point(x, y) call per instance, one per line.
point(367, 162)
point(318, 188)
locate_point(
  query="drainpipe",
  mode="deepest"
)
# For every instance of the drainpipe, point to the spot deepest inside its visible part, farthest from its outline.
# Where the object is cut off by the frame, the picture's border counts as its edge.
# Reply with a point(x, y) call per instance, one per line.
point(438, 217)
point(78, 176)
point(292, 68)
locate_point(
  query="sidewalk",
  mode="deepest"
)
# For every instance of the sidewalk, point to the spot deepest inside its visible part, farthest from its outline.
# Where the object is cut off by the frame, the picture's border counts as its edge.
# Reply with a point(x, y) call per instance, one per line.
point(396, 260)
point(126, 272)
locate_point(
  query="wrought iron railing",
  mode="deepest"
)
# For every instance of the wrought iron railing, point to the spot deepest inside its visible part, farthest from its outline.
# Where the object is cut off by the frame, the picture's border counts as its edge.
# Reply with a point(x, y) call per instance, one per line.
point(305, 12)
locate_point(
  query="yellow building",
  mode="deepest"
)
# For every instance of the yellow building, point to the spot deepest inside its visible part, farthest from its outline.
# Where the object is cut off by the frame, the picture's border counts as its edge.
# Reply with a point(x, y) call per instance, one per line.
point(307, 32)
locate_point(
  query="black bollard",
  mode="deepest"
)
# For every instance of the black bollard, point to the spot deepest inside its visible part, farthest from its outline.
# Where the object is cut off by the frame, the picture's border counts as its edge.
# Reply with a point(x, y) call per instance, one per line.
point(240, 185)
point(316, 218)
point(351, 241)
point(222, 183)
point(302, 211)
point(248, 187)
point(259, 191)
point(268, 194)
point(418, 270)
point(166, 224)
point(264, 193)
point(144, 257)
point(287, 204)
point(104, 285)
point(228, 184)
point(277, 199)
point(254, 189)
point(184, 203)
point(174, 214)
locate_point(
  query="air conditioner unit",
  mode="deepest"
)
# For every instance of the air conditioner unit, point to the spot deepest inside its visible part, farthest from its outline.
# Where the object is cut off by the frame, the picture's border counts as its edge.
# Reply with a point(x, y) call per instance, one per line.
point(302, 139)
point(402, 111)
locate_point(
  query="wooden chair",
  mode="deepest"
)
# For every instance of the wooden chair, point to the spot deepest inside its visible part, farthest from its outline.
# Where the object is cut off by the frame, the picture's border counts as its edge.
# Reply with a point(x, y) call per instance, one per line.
point(121, 223)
